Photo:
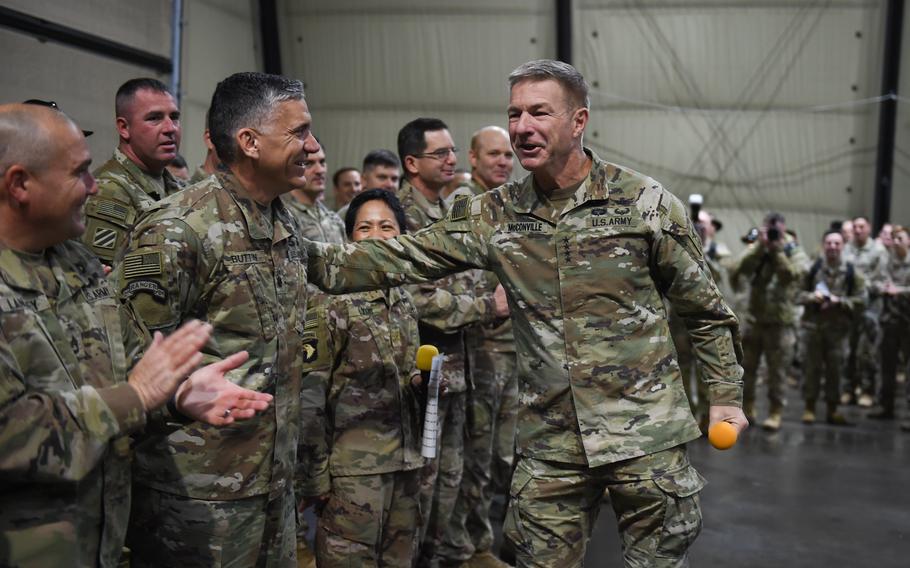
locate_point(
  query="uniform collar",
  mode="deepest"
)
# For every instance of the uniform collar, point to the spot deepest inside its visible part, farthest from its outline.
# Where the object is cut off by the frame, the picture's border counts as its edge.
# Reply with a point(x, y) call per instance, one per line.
point(143, 180)
point(17, 275)
point(435, 211)
point(254, 216)
point(596, 187)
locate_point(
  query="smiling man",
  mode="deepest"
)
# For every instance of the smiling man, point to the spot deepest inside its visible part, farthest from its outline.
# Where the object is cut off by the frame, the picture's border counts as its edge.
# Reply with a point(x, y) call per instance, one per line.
point(226, 251)
point(317, 222)
point(587, 251)
point(148, 123)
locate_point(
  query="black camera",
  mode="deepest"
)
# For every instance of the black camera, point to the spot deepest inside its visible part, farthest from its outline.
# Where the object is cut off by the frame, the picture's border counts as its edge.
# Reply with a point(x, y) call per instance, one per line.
point(773, 234)
point(751, 236)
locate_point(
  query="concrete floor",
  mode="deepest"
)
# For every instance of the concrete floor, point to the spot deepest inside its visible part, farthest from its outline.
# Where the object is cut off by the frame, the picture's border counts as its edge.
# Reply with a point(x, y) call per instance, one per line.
point(805, 497)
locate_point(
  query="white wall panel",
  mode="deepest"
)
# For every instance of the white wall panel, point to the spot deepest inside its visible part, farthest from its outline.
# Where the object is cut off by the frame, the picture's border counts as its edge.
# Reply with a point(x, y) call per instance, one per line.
point(219, 38)
point(83, 84)
point(724, 98)
point(143, 24)
point(370, 67)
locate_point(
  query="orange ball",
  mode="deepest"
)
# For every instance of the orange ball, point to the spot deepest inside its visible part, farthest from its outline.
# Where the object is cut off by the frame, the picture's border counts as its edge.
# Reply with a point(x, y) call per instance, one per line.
point(722, 435)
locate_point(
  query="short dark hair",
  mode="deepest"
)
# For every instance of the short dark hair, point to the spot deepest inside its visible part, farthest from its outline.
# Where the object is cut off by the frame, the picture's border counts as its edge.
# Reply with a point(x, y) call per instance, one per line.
point(773, 218)
point(832, 231)
point(369, 195)
point(412, 136)
point(340, 172)
point(245, 100)
point(380, 157)
point(128, 90)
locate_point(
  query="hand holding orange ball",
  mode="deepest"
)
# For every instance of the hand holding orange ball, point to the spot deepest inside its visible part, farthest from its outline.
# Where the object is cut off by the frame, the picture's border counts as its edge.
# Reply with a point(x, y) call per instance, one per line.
point(722, 435)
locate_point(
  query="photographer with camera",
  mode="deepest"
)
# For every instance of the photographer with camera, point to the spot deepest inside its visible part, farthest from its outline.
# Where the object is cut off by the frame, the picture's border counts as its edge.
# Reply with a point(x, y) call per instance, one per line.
point(833, 293)
point(774, 265)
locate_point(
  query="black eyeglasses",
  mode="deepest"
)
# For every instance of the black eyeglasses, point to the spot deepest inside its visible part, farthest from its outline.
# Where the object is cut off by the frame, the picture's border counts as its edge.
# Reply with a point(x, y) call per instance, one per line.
point(440, 154)
point(52, 104)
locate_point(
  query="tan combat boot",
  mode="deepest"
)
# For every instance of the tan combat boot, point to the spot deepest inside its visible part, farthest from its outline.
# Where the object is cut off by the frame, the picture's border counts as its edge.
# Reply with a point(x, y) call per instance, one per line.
point(809, 414)
point(305, 556)
point(772, 422)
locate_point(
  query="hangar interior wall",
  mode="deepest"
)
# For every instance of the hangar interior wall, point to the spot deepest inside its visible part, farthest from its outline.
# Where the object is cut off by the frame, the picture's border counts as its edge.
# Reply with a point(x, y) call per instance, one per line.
point(755, 104)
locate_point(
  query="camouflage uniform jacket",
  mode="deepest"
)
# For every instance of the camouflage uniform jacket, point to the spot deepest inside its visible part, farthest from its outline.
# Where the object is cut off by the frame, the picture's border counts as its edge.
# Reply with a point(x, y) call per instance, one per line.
point(597, 376)
point(867, 258)
point(496, 336)
point(65, 413)
point(125, 192)
point(368, 344)
point(444, 307)
point(834, 279)
point(198, 175)
point(895, 309)
point(775, 280)
point(317, 222)
point(210, 252)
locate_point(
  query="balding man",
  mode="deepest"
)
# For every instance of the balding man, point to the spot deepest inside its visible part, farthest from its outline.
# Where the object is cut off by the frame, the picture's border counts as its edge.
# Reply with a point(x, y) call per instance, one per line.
point(148, 124)
point(70, 397)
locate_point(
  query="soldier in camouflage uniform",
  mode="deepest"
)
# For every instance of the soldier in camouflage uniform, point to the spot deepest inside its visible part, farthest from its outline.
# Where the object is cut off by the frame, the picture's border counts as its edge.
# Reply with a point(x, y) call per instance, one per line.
point(211, 163)
point(493, 393)
point(367, 344)
point(833, 293)
point(226, 251)
point(586, 251)
point(318, 223)
point(129, 184)
point(445, 307)
point(70, 396)
point(892, 283)
point(775, 266)
point(867, 256)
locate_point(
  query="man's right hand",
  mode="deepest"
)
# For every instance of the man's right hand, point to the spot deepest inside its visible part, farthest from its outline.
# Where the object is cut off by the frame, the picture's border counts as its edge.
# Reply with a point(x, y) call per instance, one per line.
point(501, 302)
point(167, 362)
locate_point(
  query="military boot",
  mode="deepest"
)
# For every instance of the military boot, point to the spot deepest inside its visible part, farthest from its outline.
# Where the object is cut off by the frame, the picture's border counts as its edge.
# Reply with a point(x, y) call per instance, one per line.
point(835, 418)
point(772, 422)
point(809, 413)
point(305, 556)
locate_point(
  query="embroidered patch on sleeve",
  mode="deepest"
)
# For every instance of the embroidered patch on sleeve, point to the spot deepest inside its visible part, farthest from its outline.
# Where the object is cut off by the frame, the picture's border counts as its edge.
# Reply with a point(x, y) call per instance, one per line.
point(104, 237)
point(143, 264)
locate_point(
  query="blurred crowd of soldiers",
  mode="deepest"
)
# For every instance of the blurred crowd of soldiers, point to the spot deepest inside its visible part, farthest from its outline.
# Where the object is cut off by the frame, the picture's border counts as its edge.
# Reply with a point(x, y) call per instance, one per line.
point(828, 321)
point(298, 327)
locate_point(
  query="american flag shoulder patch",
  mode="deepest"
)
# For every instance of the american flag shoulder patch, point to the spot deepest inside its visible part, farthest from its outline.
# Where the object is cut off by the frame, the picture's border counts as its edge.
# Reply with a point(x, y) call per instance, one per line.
point(108, 208)
point(143, 264)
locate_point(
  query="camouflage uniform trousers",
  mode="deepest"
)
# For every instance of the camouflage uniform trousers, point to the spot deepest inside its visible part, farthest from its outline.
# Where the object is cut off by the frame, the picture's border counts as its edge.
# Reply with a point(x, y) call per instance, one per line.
point(553, 507)
point(777, 342)
point(895, 348)
point(824, 351)
point(172, 530)
point(488, 454)
point(862, 362)
point(370, 520)
point(440, 479)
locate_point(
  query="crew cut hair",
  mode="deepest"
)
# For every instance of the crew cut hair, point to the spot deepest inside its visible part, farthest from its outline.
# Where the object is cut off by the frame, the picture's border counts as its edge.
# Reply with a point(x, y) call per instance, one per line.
point(128, 90)
point(381, 157)
point(245, 100)
point(412, 136)
point(563, 73)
